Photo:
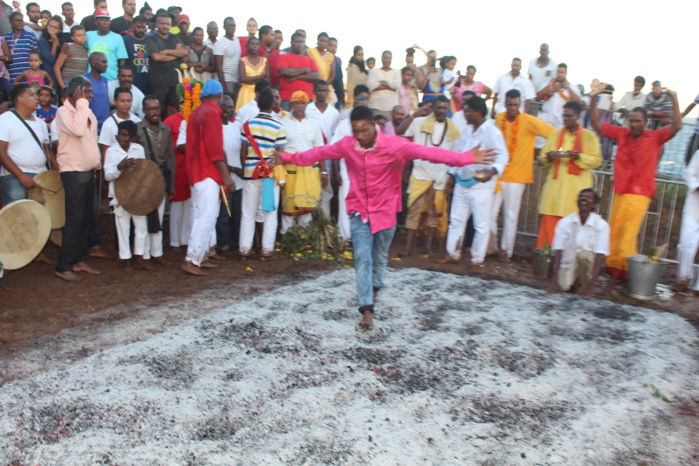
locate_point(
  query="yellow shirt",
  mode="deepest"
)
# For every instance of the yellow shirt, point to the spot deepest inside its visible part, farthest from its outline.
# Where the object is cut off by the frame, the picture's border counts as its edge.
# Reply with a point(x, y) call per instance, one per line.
point(324, 63)
point(559, 196)
point(520, 168)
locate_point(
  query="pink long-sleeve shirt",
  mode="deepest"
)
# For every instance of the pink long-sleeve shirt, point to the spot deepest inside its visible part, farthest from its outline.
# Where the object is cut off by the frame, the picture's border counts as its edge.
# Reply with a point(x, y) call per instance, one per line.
point(77, 137)
point(375, 174)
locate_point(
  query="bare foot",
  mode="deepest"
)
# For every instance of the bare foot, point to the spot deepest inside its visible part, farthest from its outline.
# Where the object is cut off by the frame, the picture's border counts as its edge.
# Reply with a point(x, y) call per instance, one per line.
point(67, 276)
point(83, 267)
point(98, 252)
point(215, 256)
point(208, 265)
point(268, 257)
point(193, 269)
point(161, 260)
point(143, 264)
point(127, 266)
point(43, 259)
point(367, 322)
point(447, 260)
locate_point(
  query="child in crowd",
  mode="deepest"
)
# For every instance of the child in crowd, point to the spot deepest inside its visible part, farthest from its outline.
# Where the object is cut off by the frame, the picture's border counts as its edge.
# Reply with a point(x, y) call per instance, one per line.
point(46, 111)
point(121, 155)
point(371, 63)
point(73, 60)
point(35, 73)
point(17, 6)
point(448, 65)
point(380, 121)
point(45, 17)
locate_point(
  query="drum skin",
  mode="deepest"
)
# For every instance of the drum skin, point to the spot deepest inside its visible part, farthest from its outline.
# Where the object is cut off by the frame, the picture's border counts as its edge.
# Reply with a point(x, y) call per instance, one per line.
point(53, 197)
point(140, 189)
point(25, 225)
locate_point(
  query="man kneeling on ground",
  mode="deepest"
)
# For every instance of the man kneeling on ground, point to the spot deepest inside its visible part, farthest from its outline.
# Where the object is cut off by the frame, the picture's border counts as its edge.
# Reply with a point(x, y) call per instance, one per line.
point(580, 242)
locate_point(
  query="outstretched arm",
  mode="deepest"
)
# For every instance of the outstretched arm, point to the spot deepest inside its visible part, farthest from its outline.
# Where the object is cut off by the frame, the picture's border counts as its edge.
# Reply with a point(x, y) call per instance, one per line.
point(594, 117)
point(676, 118)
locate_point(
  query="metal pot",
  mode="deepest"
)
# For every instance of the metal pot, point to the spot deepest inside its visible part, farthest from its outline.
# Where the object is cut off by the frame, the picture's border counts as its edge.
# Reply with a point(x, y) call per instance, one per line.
point(644, 275)
point(544, 263)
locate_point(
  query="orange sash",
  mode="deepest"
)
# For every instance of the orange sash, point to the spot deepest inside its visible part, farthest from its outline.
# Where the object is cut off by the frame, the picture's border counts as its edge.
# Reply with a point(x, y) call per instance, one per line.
point(573, 169)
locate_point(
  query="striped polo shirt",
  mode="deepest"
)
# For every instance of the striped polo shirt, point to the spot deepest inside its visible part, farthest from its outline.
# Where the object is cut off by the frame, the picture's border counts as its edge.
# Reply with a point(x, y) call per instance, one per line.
point(268, 133)
point(20, 46)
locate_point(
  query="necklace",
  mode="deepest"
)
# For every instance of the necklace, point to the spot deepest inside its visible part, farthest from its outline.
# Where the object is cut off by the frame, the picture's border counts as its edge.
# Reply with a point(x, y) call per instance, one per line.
point(155, 135)
point(514, 131)
point(444, 134)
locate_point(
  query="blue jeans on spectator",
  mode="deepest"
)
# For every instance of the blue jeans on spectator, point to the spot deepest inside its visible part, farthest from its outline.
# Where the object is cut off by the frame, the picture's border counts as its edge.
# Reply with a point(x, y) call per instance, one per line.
point(370, 259)
point(225, 232)
point(13, 189)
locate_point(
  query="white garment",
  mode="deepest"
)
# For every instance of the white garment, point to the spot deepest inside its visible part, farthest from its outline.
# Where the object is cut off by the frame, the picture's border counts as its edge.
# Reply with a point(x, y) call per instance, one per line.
point(301, 220)
point(205, 209)
point(22, 147)
point(552, 110)
point(182, 135)
point(507, 82)
point(385, 99)
point(136, 95)
point(113, 156)
point(467, 201)
point(582, 268)
point(180, 223)
point(571, 237)
point(231, 51)
point(423, 169)
point(689, 231)
point(540, 76)
point(512, 199)
point(122, 221)
point(252, 202)
point(154, 241)
point(495, 211)
point(231, 146)
point(344, 129)
point(489, 137)
point(110, 129)
point(448, 74)
point(629, 102)
point(247, 111)
point(301, 135)
point(327, 121)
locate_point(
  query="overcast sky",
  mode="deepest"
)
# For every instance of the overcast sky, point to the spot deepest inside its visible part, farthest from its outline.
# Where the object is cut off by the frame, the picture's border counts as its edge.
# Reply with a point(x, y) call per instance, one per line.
point(613, 41)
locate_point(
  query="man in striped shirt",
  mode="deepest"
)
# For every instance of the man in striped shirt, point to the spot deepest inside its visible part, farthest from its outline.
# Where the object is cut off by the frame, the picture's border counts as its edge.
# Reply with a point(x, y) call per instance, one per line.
point(260, 137)
point(18, 43)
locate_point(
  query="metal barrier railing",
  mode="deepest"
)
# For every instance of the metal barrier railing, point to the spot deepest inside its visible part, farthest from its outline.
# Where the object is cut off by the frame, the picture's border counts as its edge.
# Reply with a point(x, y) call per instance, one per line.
point(662, 221)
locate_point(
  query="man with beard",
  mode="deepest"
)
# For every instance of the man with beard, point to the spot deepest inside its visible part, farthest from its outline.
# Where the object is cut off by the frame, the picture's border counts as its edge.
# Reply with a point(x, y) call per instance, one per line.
point(513, 80)
point(135, 44)
point(580, 244)
point(555, 93)
point(123, 24)
point(164, 51)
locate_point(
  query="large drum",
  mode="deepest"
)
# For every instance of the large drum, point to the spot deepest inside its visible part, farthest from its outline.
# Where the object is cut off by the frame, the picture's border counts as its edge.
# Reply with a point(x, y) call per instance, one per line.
point(140, 189)
point(25, 226)
point(49, 193)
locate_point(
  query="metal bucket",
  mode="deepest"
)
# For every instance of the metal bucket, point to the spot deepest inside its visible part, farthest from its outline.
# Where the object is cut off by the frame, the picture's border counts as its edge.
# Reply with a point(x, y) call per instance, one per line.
point(644, 274)
point(544, 264)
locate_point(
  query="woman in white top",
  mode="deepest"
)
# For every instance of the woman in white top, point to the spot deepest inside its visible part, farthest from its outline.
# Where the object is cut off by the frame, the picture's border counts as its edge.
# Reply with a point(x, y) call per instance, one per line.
point(383, 84)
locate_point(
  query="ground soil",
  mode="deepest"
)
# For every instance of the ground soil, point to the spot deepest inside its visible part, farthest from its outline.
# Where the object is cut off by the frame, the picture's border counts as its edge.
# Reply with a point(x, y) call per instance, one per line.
point(35, 305)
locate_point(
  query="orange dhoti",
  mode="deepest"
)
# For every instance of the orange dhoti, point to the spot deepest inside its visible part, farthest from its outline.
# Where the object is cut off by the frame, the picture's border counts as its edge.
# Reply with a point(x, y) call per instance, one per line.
point(546, 230)
point(628, 212)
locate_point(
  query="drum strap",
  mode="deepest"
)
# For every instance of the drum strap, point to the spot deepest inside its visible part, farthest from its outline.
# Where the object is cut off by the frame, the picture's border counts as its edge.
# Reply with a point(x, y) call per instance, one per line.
point(36, 138)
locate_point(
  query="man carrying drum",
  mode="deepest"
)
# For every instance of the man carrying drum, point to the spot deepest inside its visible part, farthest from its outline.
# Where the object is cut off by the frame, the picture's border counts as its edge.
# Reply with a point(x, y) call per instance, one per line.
point(24, 148)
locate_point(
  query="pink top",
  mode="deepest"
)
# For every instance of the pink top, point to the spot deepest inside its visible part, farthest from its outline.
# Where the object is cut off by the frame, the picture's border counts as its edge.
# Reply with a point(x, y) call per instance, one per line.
point(389, 129)
point(476, 87)
point(375, 174)
point(77, 137)
point(39, 79)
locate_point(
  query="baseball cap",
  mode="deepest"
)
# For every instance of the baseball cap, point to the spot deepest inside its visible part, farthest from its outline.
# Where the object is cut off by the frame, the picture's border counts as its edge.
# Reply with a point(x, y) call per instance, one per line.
point(102, 14)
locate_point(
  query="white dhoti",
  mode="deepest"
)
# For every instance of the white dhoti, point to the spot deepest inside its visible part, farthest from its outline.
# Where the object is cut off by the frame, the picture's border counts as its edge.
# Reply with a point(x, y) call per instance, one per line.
point(689, 238)
point(205, 209)
point(180, 222)
point(342, 218)
point(300, 220)
point(495, 206)
point(465, 202)
point(122, 220)
point(582, 270)
point(154, 241)
point(251, 203)
point(512, 201)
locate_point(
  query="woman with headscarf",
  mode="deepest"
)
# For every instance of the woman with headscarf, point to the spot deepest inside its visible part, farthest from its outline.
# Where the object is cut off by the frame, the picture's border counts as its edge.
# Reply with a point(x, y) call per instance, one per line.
point(356, 73)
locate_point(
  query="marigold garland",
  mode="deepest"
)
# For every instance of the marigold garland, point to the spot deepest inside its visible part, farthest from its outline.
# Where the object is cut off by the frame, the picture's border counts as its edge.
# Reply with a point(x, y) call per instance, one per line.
point(189, 91)
point(514, 131)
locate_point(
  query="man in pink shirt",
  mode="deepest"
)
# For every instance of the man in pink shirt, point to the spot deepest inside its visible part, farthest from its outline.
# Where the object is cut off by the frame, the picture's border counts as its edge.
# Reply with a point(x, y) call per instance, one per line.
point(78, 155)
point(375, 166)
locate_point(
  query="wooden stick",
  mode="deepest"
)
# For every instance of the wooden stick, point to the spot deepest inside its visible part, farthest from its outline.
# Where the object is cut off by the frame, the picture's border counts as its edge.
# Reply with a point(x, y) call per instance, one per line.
point(225, 201)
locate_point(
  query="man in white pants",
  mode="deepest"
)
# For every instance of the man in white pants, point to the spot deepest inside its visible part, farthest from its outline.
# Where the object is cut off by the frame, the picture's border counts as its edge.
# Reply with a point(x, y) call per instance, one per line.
point(581, 243)
point(519, 130)
point(326, 115)
point(474, 184)
point(689, 231)
point(208, 171)
point(344, 129)
point(302, 191)
point(260, 137)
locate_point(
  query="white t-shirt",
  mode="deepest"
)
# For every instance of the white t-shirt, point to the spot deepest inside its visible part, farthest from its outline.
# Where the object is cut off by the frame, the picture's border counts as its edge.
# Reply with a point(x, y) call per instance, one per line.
point(423, 169)
point(507, 82)
point(231, 146)
point(114, 155)
point(540, 76)
point(571, 236)
point(136, 95)
point(231, 52)
point(552, 110)
point(22, 147)
point(110, 129)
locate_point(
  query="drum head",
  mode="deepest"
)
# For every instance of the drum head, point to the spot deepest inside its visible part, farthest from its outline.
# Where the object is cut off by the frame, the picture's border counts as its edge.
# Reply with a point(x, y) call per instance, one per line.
point(53, 197)
point(140, 189)
point(25, 226)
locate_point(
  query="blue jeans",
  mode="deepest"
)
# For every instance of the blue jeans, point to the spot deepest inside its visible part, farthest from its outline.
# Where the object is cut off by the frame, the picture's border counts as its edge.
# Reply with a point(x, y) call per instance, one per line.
point(13, 189)
point(370, 259)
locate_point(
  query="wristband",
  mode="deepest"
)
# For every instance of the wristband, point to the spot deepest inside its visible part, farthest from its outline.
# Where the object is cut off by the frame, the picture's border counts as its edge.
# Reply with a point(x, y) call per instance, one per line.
point(323, 173)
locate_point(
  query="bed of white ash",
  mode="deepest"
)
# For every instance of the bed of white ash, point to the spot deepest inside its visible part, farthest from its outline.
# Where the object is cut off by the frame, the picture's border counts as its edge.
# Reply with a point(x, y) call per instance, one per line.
point(458, 371)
